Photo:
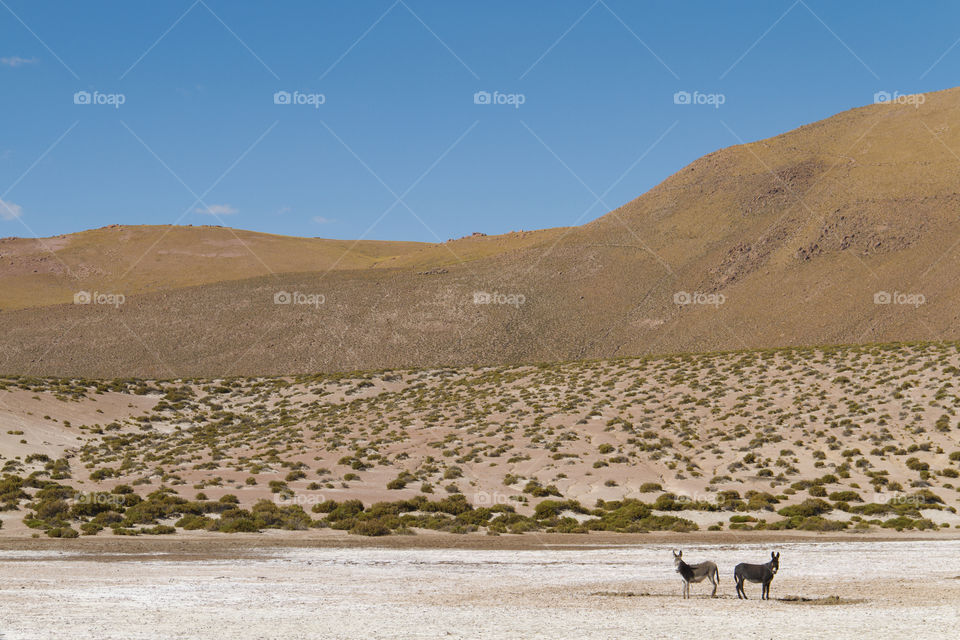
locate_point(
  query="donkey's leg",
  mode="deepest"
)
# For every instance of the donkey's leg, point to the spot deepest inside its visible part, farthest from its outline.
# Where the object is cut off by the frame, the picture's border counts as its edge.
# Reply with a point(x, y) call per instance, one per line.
point(714, 583)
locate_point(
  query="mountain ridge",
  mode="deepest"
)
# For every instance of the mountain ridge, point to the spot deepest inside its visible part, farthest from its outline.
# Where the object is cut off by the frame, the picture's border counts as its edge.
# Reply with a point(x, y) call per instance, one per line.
point(797, 233)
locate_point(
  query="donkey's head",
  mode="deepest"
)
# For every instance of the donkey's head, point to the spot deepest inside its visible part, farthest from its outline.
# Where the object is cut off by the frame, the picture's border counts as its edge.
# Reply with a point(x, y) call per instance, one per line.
point(677, 559)
point(774, 561)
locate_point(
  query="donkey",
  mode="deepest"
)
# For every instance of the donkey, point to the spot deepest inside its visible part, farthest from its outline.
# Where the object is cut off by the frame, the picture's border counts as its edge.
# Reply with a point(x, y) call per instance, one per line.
point(757, 573)
point(695, 573)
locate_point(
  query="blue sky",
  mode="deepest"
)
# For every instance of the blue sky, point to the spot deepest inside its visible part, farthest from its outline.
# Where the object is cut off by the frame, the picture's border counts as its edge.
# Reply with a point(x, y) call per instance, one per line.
point(400, 149)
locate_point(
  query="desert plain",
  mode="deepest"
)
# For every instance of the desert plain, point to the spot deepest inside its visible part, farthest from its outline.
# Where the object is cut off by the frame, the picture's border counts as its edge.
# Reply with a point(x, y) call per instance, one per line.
point(550, 589)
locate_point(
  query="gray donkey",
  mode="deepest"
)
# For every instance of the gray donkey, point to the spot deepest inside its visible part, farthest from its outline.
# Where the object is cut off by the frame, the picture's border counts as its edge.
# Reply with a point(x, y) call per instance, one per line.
point(695, 573)
point(757, 573)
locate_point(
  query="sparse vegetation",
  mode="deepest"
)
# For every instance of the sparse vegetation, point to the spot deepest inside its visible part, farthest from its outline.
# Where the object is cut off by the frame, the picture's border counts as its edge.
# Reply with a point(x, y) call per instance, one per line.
point(795, 448)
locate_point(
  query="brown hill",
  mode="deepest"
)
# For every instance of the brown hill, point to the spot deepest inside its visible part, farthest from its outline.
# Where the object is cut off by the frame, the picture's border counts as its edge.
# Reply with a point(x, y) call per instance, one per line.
point(139, 259)
point(794, 237)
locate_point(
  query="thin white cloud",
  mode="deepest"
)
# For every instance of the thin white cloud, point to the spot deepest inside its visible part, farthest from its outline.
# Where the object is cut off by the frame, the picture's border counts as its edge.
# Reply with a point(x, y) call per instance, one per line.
point(17, 61)
point(217, 210)
point(9, 211)
point(322, 220)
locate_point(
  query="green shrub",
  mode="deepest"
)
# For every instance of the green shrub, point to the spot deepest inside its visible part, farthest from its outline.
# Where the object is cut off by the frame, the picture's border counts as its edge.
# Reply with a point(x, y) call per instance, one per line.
point(816, 523)
point(401, 481)
point(668, 502)
point(553, 508)
point(846, 496)
point(192, 522)
point(234, 521)
point(760, 501)
point(370, 528)
point(269, 515)
point(160, 529)
point(807, 508)
point(742, 519)
point(347, 509)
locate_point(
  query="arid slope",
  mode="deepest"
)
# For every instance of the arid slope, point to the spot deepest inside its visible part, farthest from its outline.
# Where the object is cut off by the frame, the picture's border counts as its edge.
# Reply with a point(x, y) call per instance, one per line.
point(858, 433)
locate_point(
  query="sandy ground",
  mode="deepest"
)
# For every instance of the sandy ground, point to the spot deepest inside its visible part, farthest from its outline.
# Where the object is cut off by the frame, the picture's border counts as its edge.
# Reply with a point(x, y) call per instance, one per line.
point(553, 592)
point(693, 426)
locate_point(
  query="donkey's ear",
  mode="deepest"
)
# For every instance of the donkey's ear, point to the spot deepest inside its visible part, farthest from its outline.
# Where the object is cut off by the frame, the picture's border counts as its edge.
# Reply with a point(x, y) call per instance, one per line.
point(778, 555)
point(773, 555)
point(680, 554)
point(675, 554)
